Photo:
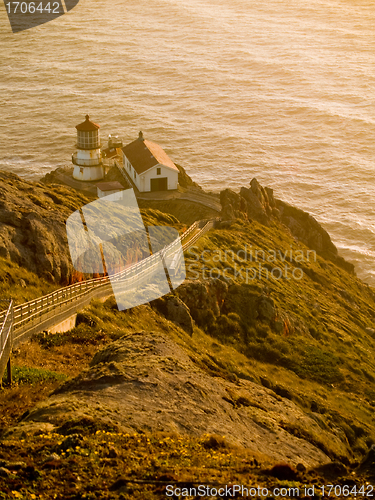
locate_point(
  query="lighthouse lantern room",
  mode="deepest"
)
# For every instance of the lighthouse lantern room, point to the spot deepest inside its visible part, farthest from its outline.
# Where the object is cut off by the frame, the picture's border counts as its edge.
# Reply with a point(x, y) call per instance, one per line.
point(87, 161)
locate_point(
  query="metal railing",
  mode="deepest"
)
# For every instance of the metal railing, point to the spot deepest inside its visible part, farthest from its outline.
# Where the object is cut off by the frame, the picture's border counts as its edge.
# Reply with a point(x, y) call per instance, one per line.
point(89, 162)
point(127, 178)
point(6, 330)
point(21, 322)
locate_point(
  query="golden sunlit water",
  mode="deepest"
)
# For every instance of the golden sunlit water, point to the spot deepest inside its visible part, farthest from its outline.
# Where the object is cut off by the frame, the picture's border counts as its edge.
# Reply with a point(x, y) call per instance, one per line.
point(232, 89)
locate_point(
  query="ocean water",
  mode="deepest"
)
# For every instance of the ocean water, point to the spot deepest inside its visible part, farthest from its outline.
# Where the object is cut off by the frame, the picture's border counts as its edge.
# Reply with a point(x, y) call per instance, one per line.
point(281, 90)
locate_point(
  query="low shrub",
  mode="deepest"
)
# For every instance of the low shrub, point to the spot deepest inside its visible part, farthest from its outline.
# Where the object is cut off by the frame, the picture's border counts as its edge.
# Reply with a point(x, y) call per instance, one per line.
point(26, 375)
point(82, 334)
point(227, 328)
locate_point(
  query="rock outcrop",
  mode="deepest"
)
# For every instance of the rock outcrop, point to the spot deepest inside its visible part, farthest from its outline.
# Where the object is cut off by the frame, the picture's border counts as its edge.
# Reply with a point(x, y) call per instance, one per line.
point(174, 309)
point(32, 226)
point(147, 382)
point(184, 178)
point(258, 203)
point(203, 298)
point(254, 203)
point(195, 301)
point(308, 230)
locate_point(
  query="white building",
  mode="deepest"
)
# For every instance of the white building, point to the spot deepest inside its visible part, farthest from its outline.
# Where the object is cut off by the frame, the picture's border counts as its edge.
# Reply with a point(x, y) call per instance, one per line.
point(87, 161)
point(110, 157)
point(107, 188)
point(149, 166)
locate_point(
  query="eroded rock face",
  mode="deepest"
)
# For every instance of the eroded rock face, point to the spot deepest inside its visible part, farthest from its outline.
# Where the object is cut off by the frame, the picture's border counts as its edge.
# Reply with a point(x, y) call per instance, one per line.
point(233, 205)
point(147, 382)
point(175, 310)
point(368, 463)
point(32, 226)
point(205, 301)
point(308, 230)
point(266, 309)
point(184, 178)
point(203, 298)
point(179, 313)
point(254, 203)
point(258, 203)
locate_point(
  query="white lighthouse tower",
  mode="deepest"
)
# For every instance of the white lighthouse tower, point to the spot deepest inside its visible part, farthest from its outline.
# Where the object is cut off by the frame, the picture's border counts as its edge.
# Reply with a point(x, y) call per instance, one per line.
point(88, 158)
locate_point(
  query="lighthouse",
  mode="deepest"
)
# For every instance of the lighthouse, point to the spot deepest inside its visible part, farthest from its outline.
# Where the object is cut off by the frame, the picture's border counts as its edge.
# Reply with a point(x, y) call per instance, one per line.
point(87, 161)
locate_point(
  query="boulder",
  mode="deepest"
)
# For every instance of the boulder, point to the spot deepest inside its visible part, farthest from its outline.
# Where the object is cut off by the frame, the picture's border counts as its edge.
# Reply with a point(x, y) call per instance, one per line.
point(203, 298)
point(184, 179)
point(179, 313)
point(175, 310)
point(233, 205)
point(266, 309)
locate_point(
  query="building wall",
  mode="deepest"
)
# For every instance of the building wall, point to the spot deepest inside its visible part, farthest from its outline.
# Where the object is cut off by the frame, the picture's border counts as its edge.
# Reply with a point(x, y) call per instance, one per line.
point(88, 173)
point(131, 172)
point(90, 157)
point(171, 175)
point(101, 194)
point(143, 181)
point(90, 167)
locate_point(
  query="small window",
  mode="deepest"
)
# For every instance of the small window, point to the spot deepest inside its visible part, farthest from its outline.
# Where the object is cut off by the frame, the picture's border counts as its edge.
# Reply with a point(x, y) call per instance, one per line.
point(158, 171)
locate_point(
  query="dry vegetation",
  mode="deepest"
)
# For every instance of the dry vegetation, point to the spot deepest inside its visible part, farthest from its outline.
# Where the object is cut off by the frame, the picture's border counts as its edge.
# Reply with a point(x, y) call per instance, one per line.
point(95, 461)
point(319, 355)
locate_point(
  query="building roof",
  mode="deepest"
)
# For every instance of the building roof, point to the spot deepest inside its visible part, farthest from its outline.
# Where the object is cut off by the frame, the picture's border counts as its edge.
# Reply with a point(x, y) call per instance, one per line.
point(87, 125)
point(111, 152)
point(144, 155)
point(110, 186)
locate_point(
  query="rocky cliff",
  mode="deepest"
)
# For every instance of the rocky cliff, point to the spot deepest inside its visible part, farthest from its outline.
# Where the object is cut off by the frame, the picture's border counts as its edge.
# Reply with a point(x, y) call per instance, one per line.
point(280, 365)
point(33, 215)
point(258, 203)
point(32, 226)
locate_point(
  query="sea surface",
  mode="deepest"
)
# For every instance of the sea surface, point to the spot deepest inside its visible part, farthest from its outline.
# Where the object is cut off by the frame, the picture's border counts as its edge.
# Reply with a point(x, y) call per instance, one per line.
point(281, 90)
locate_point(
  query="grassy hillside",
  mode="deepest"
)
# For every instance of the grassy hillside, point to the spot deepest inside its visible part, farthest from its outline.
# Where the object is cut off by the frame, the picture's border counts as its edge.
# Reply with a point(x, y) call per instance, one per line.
point(98, 460)
point(267, 310)
point(310, 336)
